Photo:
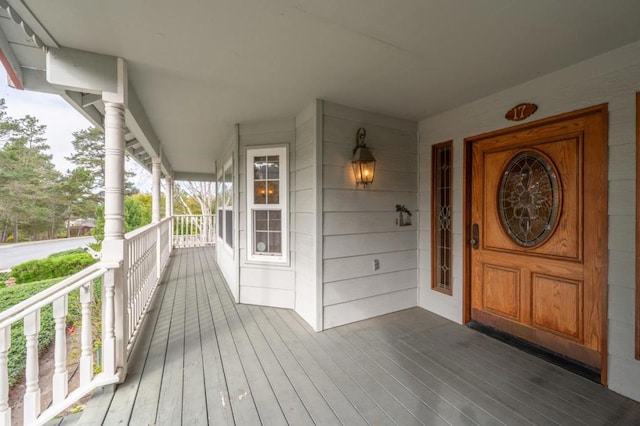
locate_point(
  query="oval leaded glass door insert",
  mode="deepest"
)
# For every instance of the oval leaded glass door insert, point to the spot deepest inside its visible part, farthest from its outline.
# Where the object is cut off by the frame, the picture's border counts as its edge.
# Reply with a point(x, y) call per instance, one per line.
point(529, 198)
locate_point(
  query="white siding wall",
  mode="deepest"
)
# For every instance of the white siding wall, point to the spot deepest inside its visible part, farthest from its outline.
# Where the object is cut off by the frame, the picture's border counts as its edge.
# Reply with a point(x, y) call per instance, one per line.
point(359, 224)
point(226, 257)
point(263, 284)
point(613, 78)
point(308, 222)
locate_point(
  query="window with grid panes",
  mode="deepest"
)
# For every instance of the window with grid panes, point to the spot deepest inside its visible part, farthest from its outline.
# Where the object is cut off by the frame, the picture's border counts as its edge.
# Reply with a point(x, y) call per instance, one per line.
point(267, 200)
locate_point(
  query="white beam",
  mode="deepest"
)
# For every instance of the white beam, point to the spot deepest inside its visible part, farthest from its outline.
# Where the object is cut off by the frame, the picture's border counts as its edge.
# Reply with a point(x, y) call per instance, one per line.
point(36, 81)
point(199, 177)
point(90, 113)
point(82, 71)
point(138, 123)
point(89, 99)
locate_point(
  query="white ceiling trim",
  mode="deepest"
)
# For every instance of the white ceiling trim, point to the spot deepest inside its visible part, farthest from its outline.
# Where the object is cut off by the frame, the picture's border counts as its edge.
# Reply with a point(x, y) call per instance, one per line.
point(22, 16)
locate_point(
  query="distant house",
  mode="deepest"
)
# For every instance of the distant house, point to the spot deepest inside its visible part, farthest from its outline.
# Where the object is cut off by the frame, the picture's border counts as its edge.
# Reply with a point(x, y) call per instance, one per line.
point(80, 227)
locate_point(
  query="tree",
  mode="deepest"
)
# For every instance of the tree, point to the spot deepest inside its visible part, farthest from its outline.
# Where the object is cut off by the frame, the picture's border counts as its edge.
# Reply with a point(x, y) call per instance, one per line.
point(27, 176)
point(137, 213)
point(76, 196)
point(88, 145)
point(196, 197)
point(89, 153)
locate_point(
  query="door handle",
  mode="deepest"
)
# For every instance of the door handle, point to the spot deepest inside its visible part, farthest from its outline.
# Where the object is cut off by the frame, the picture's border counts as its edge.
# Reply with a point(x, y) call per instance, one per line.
point(475, 236)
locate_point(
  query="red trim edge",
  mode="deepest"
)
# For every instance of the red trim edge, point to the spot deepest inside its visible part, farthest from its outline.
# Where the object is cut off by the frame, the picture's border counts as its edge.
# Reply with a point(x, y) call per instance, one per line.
point(10, 71)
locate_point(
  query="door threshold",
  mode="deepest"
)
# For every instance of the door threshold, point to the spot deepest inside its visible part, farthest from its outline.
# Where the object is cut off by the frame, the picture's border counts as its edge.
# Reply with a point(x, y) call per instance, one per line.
point(555, 358)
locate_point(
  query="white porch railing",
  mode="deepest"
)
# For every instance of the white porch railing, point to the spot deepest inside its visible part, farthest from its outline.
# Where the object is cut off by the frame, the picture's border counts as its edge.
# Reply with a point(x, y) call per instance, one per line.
point(147, 252)
point(132, 282)
point(193, 230)
point(29, 313)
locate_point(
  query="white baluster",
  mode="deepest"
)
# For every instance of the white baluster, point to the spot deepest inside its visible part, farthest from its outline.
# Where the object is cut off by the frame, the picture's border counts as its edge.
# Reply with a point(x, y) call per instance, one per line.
point(60, 376)
point(5, 344)
point(86, 343)
point(109, 338)
point(32, 393)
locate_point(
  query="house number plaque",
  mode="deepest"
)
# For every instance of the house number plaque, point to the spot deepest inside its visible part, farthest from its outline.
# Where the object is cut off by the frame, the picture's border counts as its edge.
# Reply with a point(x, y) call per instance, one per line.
point(520, 112)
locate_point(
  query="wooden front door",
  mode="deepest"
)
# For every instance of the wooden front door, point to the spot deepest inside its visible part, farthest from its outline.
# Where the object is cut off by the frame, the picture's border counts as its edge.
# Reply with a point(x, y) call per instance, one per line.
point(538, 233)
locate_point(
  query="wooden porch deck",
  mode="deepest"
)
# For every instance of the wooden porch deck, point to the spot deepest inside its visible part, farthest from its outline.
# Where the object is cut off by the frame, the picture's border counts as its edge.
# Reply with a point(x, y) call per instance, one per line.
point(203, 359)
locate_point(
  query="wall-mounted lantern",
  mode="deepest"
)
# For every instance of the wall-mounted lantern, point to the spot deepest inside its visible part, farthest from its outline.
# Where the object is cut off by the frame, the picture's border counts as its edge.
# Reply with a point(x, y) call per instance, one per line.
point(363, 162)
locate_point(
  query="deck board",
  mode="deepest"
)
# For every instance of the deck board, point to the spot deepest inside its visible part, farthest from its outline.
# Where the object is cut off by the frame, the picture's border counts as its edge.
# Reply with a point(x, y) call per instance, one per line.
point(240, 397)
point(332, 394)
point(288, 399)
point(194, 401)
point(217, 395)
point(365, 405)
point(317, 407)
point(145, 405)
point(202, 359)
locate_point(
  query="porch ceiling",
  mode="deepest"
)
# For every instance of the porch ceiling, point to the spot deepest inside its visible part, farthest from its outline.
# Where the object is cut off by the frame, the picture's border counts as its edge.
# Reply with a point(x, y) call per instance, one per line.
point(198, 67)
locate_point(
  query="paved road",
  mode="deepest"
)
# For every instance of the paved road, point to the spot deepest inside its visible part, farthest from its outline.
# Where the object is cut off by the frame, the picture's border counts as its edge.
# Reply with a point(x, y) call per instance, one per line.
point(14, 254)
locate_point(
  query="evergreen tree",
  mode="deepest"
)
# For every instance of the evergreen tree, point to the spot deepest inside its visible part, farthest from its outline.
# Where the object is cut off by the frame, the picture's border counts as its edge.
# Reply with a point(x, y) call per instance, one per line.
point(78, 200)
point(27, 176)
point(88, 145)
point(89, 153)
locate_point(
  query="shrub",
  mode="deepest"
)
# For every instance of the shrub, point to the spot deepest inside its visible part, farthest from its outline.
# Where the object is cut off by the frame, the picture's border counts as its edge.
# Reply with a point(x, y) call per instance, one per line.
point(66, 252)
point(51, 267)
point(10, 296)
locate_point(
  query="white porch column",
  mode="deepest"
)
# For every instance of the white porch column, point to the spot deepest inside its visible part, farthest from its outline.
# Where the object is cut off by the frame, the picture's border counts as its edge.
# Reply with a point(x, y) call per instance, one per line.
point(169, 197)
point(155, 190)
point(115, 334)
point(156, 174)
point(169, 208)
point(114, 176)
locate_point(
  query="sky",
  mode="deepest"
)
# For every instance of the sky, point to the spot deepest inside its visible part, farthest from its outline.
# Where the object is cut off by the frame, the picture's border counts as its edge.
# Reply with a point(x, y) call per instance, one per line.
point(59, 117)
point(61, 121)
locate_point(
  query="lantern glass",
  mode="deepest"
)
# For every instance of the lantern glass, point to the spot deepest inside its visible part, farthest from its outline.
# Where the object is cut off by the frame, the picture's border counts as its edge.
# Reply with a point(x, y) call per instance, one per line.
point(363, 162)
point(364, 171)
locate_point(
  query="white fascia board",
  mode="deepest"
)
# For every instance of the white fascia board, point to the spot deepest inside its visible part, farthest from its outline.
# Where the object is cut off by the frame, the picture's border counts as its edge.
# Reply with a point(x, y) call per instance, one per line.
point(10, 62)
point(138, 123)
point(82, 71)
point(199, 177)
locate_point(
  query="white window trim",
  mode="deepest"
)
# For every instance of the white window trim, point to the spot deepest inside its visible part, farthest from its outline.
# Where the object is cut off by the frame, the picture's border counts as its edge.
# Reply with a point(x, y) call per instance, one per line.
point(228, 165)
point(220, 206)
point(283, 205)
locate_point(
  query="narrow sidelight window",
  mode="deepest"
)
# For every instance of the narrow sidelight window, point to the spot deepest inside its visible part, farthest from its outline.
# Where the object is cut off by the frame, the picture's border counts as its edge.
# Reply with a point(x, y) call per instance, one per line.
point(267, 211)
point(441, 255)
point(224, 204)
point(228, 203)
point(220, 204)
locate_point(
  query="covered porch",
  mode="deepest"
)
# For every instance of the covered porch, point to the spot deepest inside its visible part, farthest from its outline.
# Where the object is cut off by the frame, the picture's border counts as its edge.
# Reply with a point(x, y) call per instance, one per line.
point(319, 303)
point(201, 357)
